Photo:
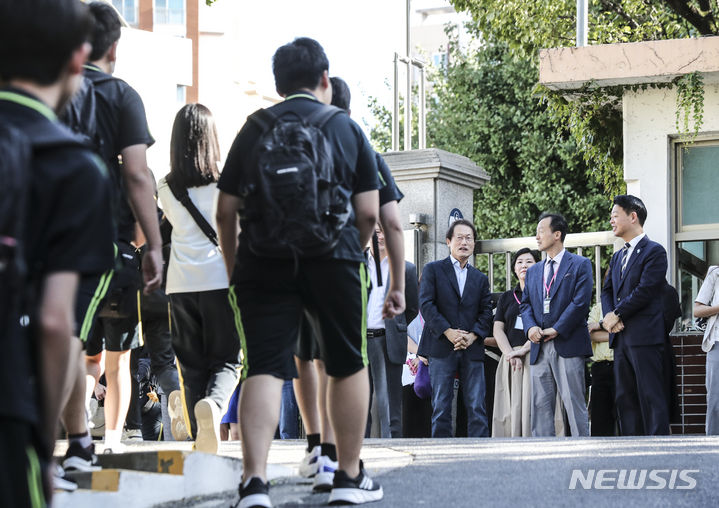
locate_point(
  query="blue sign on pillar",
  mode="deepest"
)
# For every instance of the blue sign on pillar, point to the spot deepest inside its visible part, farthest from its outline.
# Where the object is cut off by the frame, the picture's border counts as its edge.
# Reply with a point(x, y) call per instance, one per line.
point(454, 215)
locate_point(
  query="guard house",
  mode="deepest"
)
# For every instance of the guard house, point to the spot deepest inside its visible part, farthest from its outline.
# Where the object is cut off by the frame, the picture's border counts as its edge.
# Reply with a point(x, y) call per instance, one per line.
point(675, 176)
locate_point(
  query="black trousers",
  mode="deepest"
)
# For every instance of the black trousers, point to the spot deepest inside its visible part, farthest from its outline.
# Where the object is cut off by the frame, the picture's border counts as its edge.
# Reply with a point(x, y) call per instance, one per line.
point(21, 471)
point(601, 405)
point(641, 390)
point(205, 341)
point(416, 414)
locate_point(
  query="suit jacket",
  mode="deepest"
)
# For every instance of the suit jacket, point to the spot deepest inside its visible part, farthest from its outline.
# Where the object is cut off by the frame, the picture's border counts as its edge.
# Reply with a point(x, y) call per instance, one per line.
point(396, 328)
point(442, 307)
point(570, 296)
point(637, 294)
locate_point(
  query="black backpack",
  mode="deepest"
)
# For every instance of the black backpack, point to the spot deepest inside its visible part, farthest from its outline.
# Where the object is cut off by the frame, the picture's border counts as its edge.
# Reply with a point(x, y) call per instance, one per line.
point(15, 167)
point(16, 157)
point(295, 204)
point(80, 114)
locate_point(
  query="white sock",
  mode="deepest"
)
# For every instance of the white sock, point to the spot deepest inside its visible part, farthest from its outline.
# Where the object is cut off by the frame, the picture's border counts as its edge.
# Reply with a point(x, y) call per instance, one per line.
point(112, 437)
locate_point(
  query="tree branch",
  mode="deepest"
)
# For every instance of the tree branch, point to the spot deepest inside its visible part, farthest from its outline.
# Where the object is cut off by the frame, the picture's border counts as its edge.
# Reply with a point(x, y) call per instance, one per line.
point(703, 21)
point(612, 7)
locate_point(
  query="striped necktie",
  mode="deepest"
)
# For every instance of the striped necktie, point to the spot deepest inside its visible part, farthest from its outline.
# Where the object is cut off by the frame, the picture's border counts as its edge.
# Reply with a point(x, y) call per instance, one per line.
point(625, 257)
point(550, 276)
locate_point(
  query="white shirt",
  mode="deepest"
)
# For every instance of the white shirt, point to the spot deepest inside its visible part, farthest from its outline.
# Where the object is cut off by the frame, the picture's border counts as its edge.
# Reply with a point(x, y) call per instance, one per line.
point(557, 260)
point(377, 295)
point(461, 273)
point(196, 264)
point(709, 296)
point(632, 244)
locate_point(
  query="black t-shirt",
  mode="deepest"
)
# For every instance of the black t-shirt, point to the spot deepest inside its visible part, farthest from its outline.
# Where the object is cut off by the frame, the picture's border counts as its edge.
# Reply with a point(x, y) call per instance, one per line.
point(507, 312)
point(352, 155)
point(121, 122)
point(68, 229)
point(389, 191)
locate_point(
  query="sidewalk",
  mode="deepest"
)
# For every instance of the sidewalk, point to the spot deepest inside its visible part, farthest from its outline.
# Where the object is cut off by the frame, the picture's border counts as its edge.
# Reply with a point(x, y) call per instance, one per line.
point(612, 472)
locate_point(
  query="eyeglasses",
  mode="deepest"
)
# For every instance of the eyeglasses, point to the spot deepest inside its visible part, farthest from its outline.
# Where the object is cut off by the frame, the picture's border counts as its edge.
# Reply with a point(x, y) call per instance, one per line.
point(464, 238)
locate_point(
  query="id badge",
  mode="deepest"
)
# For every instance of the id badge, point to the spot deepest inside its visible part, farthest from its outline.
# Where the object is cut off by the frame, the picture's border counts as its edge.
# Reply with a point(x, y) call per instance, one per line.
point(546, 305)
point(518, 323)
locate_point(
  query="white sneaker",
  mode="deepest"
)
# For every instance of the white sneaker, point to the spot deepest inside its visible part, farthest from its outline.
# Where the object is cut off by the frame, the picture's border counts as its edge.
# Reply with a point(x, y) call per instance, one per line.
point(308, 466)
point(132, 435)
point(325, 474)
point(207, 416)
point(62, 482)
point(178, 427)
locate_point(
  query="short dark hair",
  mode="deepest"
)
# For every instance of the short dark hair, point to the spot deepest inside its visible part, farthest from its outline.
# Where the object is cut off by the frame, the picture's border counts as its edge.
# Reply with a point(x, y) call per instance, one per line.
point(340, 93)
point(526, 250)
point(38, 37)
point(557, 222)
point(194, 149)
point(299, 64)
point(631, 204)
point(461, 222)
point(106, 31)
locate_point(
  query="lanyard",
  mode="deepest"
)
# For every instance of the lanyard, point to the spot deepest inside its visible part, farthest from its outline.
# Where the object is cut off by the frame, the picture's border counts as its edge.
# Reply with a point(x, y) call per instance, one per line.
point(550, 282)
point(515, 297)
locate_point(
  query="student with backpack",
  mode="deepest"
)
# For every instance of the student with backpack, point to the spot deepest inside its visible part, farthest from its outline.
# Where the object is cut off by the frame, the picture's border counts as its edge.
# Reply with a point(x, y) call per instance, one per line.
point(55, 227)
point(303, 179)
point(203, 333)
point(118, 130)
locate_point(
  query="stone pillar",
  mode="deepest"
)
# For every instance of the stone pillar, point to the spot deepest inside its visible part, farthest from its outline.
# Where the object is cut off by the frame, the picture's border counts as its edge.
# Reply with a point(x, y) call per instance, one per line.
point(436, 184)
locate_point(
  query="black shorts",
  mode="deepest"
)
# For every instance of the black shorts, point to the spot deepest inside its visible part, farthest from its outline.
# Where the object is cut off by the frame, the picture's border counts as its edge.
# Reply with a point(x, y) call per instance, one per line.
point(307, 348)
point(21, 478)
point(91, 295)
point(269, 297)
point(113, 334)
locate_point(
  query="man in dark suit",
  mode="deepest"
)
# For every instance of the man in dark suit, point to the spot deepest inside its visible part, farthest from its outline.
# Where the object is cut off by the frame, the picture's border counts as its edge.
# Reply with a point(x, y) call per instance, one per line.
point(387, 339)
point(632, 301)
point(455, 301)
point(554, 308)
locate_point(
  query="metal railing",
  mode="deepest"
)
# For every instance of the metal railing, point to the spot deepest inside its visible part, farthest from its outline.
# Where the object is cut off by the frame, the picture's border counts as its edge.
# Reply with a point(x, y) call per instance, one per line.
point(578, 242)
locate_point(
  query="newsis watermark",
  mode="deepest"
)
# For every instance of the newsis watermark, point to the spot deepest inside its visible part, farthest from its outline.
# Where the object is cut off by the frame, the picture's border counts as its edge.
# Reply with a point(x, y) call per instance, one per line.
point(633, 479)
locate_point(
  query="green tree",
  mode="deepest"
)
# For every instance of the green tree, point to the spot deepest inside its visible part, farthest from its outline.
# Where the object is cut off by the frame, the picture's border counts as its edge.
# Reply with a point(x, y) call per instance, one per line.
point(593, 116)
point(483, 107)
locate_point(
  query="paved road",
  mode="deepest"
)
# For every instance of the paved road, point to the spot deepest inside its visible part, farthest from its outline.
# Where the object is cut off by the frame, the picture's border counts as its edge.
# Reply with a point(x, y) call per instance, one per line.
point(669, 471)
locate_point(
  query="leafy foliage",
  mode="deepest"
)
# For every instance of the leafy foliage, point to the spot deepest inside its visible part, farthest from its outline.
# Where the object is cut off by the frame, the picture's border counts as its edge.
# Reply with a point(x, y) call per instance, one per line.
point(483, 107)
point(593, 116)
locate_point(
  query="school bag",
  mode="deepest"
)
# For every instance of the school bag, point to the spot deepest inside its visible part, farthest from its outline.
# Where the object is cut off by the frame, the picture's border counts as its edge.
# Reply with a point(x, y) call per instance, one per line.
point(80, 114)
point(15, 167)
point(17, 149)
point(295, 203)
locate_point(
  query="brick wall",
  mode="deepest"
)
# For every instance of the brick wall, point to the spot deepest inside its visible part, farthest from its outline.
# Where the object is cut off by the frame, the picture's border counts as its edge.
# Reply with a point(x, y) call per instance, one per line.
point(690, 377)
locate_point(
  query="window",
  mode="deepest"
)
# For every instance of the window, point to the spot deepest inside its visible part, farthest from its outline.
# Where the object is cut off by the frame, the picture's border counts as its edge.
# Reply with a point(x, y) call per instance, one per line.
point(169, 12)
point(696, 220)
point(128, 10)
point(181, 95)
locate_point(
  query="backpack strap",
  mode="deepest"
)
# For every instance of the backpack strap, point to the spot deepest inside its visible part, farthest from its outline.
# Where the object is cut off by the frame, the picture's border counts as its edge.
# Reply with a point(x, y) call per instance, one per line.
point(264, 118)
point(183, 197)
point(323, 115)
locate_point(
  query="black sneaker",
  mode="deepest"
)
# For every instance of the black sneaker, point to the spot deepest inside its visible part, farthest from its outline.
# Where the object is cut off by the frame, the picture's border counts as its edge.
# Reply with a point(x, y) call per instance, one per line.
point(255, 495)
point(81, 459)
point(346, 490)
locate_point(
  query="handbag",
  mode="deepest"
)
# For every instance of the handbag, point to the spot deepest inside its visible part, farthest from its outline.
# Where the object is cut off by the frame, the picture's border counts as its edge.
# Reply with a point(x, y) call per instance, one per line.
point(422, 385)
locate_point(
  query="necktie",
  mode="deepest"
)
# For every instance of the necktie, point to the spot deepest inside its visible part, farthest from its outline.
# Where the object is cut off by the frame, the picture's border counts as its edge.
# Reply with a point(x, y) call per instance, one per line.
point(625, 256)
point(550, 276)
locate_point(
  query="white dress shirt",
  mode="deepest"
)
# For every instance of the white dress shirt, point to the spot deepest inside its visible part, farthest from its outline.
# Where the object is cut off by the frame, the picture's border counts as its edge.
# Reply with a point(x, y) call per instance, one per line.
point(557, 260)
point(375, 302)
point(632, 245)
point(461, 274)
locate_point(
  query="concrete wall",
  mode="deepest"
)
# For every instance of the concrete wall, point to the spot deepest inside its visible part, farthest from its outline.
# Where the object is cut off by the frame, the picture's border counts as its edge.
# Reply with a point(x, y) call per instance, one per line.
point(649, 129)
point(154, 65)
